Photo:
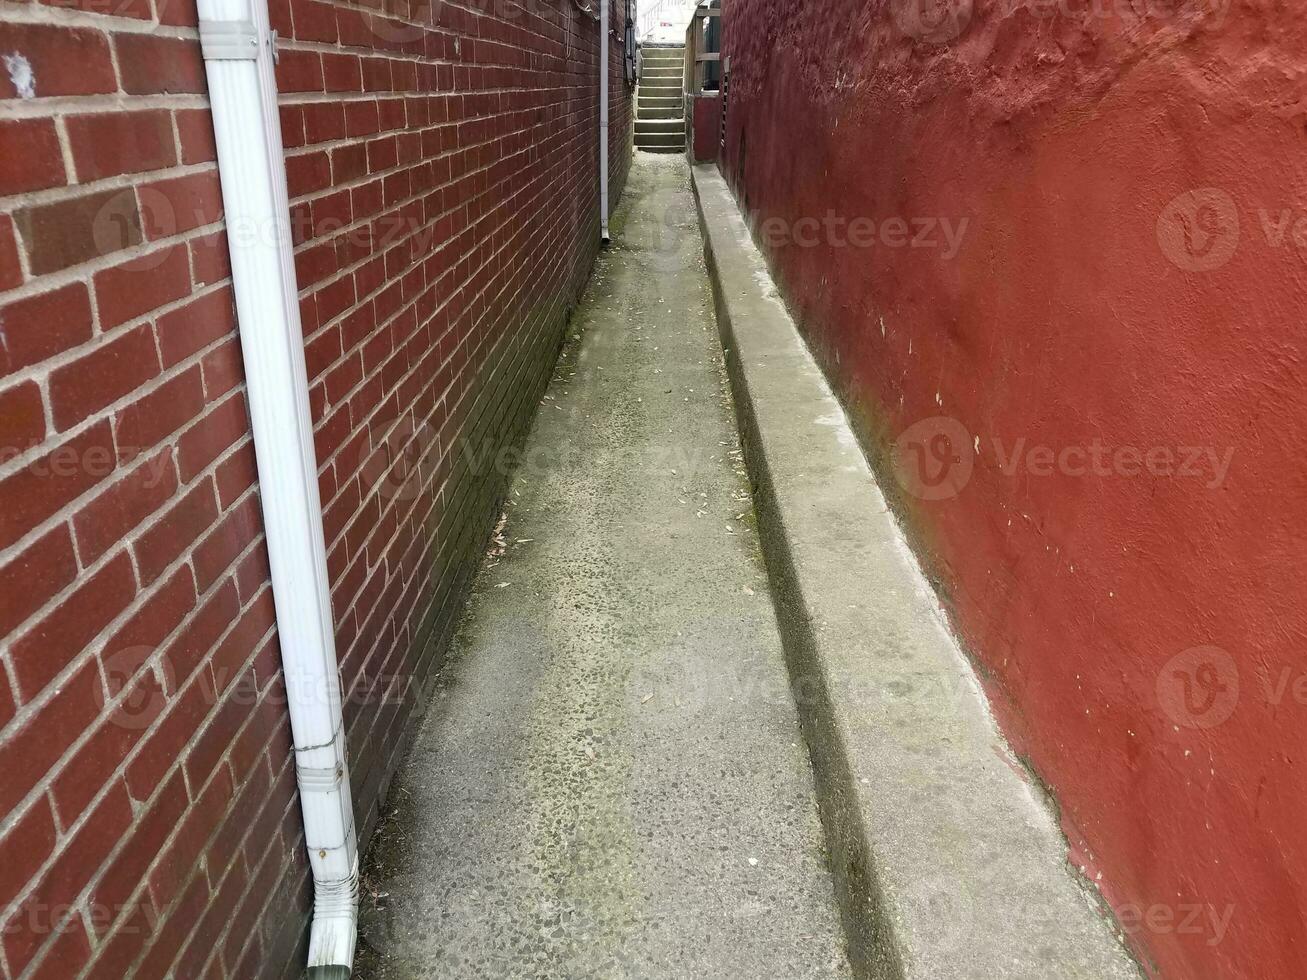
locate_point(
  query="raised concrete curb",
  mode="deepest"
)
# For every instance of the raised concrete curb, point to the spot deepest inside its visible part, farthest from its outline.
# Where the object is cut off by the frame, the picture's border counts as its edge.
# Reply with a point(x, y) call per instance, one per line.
point(947, 863)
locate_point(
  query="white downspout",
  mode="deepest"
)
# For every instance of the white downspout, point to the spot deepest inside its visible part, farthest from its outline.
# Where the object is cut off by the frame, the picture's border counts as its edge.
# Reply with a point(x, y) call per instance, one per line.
point(603, 119)
point(238, 53)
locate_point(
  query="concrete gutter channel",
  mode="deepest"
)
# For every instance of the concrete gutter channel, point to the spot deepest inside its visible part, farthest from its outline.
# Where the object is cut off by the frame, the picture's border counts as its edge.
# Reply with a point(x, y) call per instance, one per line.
point(947, 863)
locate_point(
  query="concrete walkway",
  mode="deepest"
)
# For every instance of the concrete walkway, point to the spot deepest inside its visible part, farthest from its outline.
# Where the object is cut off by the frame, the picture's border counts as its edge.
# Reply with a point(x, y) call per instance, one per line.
point(611, 781)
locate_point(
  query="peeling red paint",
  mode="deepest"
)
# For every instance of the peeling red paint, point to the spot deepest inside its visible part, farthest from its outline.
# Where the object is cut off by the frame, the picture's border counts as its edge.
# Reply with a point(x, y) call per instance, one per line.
point(1129, 288)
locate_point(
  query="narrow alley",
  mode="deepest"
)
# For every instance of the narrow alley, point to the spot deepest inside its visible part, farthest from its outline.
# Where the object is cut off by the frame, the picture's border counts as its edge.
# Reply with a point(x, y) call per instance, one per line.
point(652, 489)
point(613, 735)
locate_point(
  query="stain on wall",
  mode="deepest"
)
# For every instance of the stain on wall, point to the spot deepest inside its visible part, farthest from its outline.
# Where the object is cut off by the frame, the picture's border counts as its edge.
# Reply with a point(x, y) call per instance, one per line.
point(1052, 254)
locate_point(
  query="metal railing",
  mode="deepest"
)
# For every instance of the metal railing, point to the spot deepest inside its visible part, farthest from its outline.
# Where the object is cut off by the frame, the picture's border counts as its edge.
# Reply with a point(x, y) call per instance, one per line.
point(675, 14)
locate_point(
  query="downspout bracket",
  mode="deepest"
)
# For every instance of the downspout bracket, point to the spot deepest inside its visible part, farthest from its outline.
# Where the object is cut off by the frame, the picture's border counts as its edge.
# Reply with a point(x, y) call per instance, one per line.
point(229, 40)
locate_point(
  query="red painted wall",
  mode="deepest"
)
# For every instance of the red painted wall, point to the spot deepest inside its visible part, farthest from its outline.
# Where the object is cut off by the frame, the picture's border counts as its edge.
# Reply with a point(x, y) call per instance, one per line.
point(442, 168)
point(1072, 337)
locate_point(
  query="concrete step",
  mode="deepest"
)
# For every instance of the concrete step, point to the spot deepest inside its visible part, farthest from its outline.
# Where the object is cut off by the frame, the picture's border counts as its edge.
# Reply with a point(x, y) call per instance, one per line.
point(675, 103)
point(947, 865)
point(658, 74)
point(658, 112)
point(661, 149)
point(651, 126)
point(659, 89)
point(665, 141)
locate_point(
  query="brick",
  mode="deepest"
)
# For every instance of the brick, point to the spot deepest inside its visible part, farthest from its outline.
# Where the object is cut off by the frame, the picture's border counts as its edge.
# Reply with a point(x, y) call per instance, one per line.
point(40, 165)
point(150, 419)
point(231, 658)
point(111, 143)
point(173, 533)
point(78, 861)
point(11, 273)
point(24, 848)
point(203, 442)
point(245, 809)
point(235, 474)
point(361, 118)
point(128, 868)
point(153, 65)
point(323, 121)
point(79, 229)
point(376, 75)
point(307, 172)
point(114, 957)
point(223, 369)
point(299, 71)
point(179, 13)
point(102, 376)
point(313, 21)
point(171, 207)
point(281, 799)
point(201, 635)
point(203, 939)
point(341, 73)
point(44, 325)
point(141, 285)
point(146, 630)
point(54, 642)
point(27, 754)
point(122, 725)
point(253, 574)
point(263, 729)
point(139, 9)
point(160, 747)
point(64, 60)
point(191, 328)
point(233, 534)
point(173, 930)
point(195, 131)
point(245, 920)
point(210, 262)
point(292, 126)
point(450, 290)
point(22, 418)
point(349, 163)
point(8, 702)
point(67, 953)
point(32, 576)
point(39, 489)
point(119, 508)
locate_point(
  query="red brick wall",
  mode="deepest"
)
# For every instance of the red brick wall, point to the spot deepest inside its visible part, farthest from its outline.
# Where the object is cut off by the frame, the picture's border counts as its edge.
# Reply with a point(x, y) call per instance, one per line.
point(441, 166)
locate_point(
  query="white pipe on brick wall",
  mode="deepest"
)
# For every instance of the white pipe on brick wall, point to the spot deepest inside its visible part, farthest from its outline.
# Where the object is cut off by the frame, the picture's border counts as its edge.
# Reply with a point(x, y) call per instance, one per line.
point(603, 118)
point(238, 53)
